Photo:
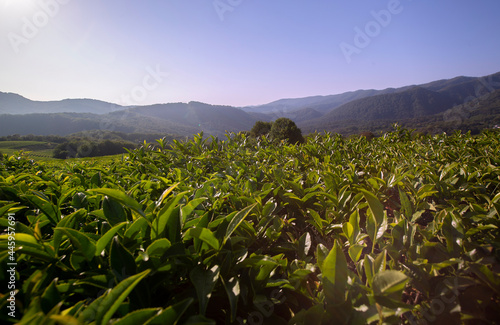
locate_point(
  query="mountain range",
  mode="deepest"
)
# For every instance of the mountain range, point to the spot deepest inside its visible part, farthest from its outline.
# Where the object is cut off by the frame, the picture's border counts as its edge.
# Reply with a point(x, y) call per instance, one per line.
point(348, 112)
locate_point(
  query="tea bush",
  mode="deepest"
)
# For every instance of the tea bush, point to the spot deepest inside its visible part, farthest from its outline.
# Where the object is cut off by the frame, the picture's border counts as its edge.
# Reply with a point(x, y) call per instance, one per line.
point(334, 231)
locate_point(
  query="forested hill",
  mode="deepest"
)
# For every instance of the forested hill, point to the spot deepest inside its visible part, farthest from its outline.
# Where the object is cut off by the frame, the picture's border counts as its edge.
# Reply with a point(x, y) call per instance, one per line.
point(179, 119)
point(345, 113)
point(411, 103)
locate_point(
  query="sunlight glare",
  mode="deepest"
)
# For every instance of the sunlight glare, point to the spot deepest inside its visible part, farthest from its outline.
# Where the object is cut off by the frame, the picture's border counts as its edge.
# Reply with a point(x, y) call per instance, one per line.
point(18, 6)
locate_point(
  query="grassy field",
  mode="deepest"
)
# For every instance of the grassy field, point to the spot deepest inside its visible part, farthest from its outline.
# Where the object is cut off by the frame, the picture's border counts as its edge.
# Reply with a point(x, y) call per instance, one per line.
point(36, 150)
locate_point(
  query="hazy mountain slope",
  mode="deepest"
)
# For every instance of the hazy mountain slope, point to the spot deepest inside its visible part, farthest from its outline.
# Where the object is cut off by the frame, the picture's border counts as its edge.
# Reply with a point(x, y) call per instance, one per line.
point(461, 89)
point(411, 103)
point(285, 105)
point(15, 104)
point(414, 102)
point(48, 124)
point(348, 111)
point(68, 123)
point(321, 104)
point(208, 118)
point(179, 119)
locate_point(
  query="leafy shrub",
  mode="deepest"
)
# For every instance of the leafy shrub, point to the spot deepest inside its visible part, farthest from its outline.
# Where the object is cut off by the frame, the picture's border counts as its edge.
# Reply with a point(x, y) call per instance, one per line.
point(286, 129)
point(88, 148)
point(261, 128)
point(336, 231)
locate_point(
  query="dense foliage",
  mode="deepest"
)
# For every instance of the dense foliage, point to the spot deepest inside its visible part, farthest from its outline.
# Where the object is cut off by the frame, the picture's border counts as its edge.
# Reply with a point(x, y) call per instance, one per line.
point(378, 116)
point(86, 148)
point(282, 129)
point(261, 128)
point(398, 229)
point(285, 129)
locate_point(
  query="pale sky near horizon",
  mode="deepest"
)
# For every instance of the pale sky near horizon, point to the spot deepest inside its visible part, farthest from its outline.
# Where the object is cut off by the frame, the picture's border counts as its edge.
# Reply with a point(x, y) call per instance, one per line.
point(239, 52)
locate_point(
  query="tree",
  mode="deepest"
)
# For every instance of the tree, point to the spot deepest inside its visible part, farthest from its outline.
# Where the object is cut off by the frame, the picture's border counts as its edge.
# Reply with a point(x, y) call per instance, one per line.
point(285, 129)
point(261, 128)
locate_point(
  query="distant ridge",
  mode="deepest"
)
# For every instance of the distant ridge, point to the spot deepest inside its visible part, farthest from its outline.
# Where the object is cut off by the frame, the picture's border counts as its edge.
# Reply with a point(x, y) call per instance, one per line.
point(11, 103)
point(348, 113)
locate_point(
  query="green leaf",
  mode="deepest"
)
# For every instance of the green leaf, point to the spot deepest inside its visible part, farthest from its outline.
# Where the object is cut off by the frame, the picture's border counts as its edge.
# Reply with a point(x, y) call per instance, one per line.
point(204, 282)
point(452, 232)
point(137, 228)
point(380, 262)
point(348, 230)
point(376, 222)
point(107, 237)
point(42, 202)
point(67, 222)
point(114, 298)
point(140, 316)
point(317, 221)
point(113, 211)
point(368, 267)
point(84, 244)
point(232, 287)
point(304, 245)
point(122, 262)
point(203, 234)
point(89, 314)
point(169, 218)
point(189, 208)
point(321, 254)
point(64, 319)
point(492, 279)
point(354, 222)
point(405, 204)
point(334, 274)
point(311, 316)
point(95, 180)
point(166, 193)
point(79, 200)
point(50, 297)
point(258, 261)
point(375, 206)
point(158, 247)
point(389, 282)
point(172, 314)
point(122, 198)
point(355, 252)
point(26, 244)
point(5, 208)
point(236, 220)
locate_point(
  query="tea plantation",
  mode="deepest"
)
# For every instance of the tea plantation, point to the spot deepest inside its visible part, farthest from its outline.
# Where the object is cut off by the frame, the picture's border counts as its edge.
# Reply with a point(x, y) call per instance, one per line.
point(399, 229)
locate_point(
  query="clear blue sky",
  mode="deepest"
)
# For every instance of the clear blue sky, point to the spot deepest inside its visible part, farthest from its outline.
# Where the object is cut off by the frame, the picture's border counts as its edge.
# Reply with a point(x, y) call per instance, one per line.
point(158, 51)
